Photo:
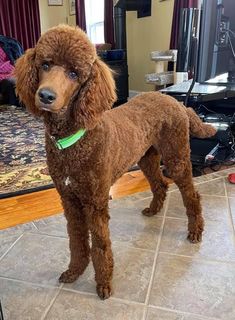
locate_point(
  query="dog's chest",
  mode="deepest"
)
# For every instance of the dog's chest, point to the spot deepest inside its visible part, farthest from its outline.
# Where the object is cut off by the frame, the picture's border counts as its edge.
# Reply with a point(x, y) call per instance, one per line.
point(73, 177)
point(74, 170)
point(67, 181)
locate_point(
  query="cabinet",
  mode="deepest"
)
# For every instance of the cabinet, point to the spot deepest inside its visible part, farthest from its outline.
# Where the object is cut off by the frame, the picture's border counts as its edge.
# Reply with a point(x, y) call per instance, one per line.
point(121, 79)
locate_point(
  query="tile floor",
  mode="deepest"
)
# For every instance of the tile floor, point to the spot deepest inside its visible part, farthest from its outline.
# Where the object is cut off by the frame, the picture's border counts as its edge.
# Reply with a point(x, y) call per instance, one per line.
point(158, 273)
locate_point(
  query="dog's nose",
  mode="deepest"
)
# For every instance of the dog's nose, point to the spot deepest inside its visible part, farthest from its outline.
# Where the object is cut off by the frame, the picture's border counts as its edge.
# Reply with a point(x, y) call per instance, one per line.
point(47, 96)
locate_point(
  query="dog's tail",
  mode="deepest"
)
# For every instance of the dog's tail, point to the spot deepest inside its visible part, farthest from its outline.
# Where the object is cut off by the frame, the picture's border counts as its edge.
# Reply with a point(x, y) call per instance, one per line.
point(197, 127)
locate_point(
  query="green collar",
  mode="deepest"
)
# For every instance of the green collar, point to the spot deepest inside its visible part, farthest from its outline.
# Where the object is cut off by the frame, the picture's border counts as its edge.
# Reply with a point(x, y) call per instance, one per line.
point(69, 141)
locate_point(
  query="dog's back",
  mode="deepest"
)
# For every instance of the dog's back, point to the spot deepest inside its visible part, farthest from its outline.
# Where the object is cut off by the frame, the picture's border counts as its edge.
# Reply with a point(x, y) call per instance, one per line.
point(155, 108)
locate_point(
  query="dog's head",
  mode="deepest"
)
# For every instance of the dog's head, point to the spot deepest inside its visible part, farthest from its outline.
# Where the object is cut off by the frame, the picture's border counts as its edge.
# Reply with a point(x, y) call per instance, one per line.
point(63, 75)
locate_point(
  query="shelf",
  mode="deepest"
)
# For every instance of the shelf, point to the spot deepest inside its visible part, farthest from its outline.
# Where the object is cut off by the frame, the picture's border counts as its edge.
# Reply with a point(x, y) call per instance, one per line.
point(160, 79)
point(169, 55)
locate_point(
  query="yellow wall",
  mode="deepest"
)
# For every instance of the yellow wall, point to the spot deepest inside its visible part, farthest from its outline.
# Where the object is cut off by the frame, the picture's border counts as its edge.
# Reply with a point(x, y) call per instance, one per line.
point(145, 35)
point(53, 15)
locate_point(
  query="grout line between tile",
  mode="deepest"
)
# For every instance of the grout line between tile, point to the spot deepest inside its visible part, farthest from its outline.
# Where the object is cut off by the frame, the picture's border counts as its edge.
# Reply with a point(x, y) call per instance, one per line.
point(95, 295)
point(230, 212)
point(117, 243)
point(204, 194)
point(149, 198)
point(177, 218)
point(138, 214)
point(127, 301)
point(51, 303)
point(154, 263)
point(176, 188)
point(42, 285)
point(200, 183)
point(209, 180)
point(4, 254)
point(211, 195)
point(198, 258)
point(208, 220)
point(183, 312)
point(45, 234)
point(78, 291)
point(35, 225)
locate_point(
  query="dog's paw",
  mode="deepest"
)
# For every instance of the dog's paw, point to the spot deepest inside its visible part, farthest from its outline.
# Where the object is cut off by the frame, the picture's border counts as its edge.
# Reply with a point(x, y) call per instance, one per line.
point(68, 276)
point(149, 213)
point(195, 237)
point(103, 291)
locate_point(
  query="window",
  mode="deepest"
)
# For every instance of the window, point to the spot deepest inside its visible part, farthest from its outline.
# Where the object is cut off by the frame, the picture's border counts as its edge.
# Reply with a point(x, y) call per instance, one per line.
point(95, 20)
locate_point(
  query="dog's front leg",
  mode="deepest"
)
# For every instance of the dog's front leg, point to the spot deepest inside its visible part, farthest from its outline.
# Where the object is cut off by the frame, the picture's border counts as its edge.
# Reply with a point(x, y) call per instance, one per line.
point(78, 240)
point(101, 252)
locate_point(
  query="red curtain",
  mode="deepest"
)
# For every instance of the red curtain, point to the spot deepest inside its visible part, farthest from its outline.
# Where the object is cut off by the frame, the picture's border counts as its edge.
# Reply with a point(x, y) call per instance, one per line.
point(178, 5)
point(108, 22)
point(20, 19)
point(80, 14)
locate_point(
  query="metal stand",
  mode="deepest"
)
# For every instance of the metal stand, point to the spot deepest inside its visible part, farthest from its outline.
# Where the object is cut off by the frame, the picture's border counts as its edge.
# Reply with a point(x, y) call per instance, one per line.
point(1, 313)
point(161, 77)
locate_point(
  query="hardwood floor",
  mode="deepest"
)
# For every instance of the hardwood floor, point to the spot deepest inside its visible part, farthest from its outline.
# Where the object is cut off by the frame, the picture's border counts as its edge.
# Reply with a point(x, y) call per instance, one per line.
point(29, 207)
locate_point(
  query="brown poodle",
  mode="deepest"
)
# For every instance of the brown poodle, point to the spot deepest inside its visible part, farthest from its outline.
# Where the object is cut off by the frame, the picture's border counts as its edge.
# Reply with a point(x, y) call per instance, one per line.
point(63, 81)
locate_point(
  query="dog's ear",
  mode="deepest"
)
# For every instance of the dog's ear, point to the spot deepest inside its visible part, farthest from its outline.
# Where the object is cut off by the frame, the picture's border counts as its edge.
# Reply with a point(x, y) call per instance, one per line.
point(96, 96)
point(26, 74)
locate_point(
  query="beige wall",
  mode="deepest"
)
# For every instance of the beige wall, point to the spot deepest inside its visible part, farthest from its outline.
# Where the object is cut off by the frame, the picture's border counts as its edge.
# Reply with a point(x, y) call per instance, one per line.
point(145, 35)
point(53, 15)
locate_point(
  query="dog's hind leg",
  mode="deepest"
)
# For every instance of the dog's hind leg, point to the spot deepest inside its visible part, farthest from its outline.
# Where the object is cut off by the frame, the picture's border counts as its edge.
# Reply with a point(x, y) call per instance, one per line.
point(150, 165)
point(78, 240)
point(179, 167)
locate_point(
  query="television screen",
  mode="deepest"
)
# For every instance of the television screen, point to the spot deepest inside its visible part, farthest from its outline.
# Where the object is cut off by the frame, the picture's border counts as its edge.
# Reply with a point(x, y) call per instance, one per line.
point(217, 42)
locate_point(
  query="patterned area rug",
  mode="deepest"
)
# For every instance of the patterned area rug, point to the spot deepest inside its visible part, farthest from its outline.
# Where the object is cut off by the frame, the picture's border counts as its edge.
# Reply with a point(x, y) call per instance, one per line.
point(23, 166)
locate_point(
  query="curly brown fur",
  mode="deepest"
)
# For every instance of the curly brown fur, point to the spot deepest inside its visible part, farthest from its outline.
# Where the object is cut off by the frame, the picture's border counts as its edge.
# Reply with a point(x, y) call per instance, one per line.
point(150, 165)
point(149, 127)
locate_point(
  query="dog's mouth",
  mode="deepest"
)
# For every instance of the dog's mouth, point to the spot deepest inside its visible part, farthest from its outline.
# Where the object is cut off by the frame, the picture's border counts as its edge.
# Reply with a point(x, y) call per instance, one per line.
point(50, 108)
point(46, 108)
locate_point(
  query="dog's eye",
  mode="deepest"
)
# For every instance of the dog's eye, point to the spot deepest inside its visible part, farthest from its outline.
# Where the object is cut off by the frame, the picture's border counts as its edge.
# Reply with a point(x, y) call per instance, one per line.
point(73, 75)
point(45, 66)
